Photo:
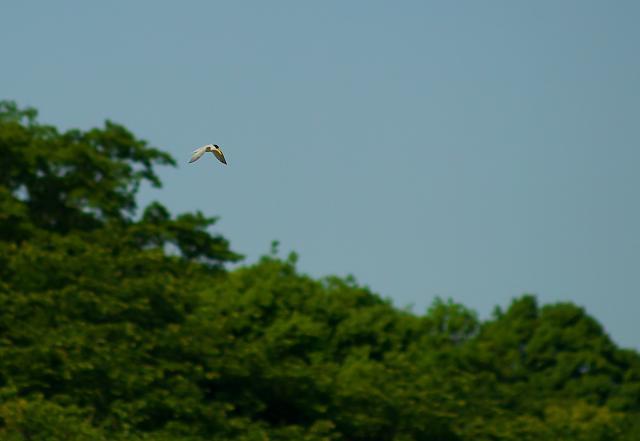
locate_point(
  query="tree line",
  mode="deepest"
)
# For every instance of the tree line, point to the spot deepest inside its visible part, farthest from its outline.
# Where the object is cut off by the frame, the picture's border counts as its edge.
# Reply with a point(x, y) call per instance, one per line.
point(123, 326)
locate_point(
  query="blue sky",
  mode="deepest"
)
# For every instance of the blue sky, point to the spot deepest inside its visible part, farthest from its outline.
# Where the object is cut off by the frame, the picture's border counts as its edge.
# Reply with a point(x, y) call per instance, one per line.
point(472, 150)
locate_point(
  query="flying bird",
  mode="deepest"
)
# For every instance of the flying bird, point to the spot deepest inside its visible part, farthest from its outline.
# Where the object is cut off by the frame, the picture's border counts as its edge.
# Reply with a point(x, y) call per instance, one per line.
point(213, 148)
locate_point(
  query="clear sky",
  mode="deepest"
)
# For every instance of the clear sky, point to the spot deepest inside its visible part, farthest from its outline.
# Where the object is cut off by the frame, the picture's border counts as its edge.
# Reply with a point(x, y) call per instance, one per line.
point(472, 150)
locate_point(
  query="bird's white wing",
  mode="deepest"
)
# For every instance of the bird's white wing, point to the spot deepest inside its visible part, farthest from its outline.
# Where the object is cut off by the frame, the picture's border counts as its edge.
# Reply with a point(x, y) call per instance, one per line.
point(197, 153)
point(219, 155)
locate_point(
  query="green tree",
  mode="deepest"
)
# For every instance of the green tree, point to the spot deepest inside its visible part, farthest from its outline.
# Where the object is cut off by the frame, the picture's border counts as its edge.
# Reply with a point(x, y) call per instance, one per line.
point(89, 294)
point(116, 325)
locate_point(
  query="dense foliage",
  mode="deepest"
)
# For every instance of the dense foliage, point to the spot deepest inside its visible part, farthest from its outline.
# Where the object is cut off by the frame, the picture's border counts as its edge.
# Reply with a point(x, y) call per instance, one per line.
point(117, 327)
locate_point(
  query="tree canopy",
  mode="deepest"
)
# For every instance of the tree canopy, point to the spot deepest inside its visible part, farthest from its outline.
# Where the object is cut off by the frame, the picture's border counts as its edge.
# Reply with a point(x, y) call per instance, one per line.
point(116, 325)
